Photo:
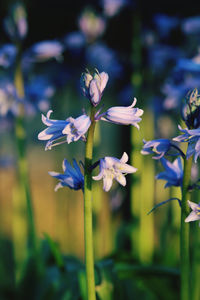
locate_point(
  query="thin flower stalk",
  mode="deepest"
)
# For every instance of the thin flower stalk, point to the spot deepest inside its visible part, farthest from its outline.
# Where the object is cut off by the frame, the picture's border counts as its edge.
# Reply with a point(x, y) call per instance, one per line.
point(20, 134)
point(89, 256)
point(195, 263)
point(184, 234)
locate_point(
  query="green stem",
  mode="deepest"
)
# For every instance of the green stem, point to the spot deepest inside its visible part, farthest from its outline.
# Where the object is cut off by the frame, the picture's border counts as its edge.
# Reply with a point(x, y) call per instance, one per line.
point(20, 134)
point(184, 235)
point(195, 288)
point(89, 257)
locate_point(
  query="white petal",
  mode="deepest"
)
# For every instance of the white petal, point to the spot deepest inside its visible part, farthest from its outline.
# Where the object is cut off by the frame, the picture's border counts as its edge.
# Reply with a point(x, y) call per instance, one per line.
point(104, 80)
point(134, 102)
point(192, 205)
point(43, 136)
point(121, 179)
point(124, 158)
point(107, 183)
point(192, 217)
point(52, 173)
point(58, 186)
point(98, 177)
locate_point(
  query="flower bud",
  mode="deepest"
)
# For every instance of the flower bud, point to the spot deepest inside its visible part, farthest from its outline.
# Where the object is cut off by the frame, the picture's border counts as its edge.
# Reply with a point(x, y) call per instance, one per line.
point(93, 86)
point(191, 110)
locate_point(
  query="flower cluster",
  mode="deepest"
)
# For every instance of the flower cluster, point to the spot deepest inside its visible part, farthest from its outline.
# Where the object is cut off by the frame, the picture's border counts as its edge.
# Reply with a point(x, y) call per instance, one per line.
point(173, 173)
point(74, 129)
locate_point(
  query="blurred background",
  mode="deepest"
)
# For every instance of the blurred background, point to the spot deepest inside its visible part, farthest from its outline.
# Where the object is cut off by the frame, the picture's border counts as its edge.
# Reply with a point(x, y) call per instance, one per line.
point(150, 51)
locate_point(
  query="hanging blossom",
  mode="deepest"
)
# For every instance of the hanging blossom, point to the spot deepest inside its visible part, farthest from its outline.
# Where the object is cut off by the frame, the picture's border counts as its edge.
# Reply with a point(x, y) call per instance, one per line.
point(124, 115)
point(159, 147)
point(72, 177)
point(192, 137)
point(195, 213)
point(173, 173)
point(113, 168)
point(93, 86)
point(72, 129)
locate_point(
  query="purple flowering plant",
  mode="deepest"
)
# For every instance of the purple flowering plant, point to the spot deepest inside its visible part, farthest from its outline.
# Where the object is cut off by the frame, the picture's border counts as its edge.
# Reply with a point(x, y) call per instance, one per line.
point(160, 148)
point(110, 168)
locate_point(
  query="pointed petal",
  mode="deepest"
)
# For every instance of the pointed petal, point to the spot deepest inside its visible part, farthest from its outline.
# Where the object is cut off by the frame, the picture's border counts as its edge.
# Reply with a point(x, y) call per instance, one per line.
point(193, 205)
point(121, 179)
point(192, 217)
point(107, 183)
point(124, 158)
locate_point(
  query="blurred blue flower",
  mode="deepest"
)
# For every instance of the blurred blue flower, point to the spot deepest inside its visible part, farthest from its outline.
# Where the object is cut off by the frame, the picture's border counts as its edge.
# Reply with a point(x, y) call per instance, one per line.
point(72, 177)
point(72, 129)
point(112, 168)
point(124, 115)
point(15, 23)
point(190, 65)
point(75, 41)
point(192, 137)
point(165, 24)
point(8, 98)
point(175, 92)
point(38, 91)
point(7, 55)
point(173, 173)
point(104, 59)
point(195, 213)
point(160, 147)
point(43, 51)
point(160, 55)
point(191, 25)
point(93, 86)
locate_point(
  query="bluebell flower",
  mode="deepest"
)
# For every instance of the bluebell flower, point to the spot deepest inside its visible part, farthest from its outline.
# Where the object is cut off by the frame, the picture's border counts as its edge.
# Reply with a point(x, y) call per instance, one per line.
point(15, 23)
point(72, 177)
point(93, 86)
point(7, 55)
point(160, 147)
point(113, 168)
point(173, 173)
point(195, 213)
point(72, 129)
point(124, 115)
point(76, 128)
point(192, 137)
point(43, 51)
point(53, 132)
